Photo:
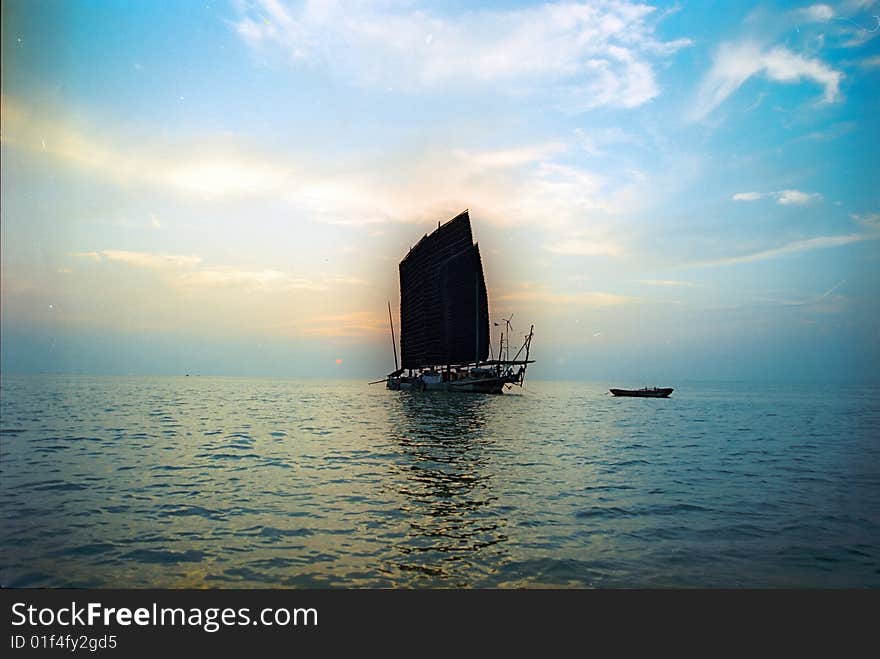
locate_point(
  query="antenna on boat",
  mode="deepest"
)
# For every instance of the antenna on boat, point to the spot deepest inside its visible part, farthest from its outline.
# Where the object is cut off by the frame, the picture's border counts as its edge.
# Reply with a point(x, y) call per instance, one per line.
point(393, 341)
point(501, 346)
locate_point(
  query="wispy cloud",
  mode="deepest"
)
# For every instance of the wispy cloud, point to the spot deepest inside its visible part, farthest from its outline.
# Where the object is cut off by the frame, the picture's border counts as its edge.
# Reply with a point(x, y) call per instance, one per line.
point(870, 221)
point(225, 175)
point(663, 282)
point(346, 281)
point(584, 247)
point(188, 271)
point(142, 259)
point(736, 62)
point(825, 303)
point(750, 196)
point(354, 324)
point(254, 279)
point(860, 24)
point(589, 54)
point(594, 142)
point(508, 158)
point(830, 133)
point(816, 300)
point(509, 185)
point(215, 171)
point(783, 197)
point(545, 296)
point(789, 249)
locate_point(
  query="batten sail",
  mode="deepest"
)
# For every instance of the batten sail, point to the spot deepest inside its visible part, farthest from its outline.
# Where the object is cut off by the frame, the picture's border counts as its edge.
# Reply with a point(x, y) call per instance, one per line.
point(443, 300)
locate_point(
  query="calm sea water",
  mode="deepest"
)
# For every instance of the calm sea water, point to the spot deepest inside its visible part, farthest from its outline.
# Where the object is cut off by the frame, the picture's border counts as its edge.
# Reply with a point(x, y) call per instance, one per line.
point(220, 482)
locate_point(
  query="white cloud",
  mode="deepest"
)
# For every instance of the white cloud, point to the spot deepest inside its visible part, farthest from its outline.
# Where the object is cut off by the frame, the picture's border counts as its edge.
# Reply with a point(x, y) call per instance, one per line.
point(782, 65)
point(815, 13)
point(783, 197)
point(735, 63)
point(589, 54)
point(796, 197)
point(749, 196)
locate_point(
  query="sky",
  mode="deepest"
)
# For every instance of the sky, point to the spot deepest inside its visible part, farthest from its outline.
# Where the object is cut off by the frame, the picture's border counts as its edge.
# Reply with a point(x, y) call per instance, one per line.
point(667, 191)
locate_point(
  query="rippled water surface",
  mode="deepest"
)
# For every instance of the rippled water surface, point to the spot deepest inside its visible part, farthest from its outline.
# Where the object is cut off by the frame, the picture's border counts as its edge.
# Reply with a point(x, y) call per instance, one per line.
point(220, 482)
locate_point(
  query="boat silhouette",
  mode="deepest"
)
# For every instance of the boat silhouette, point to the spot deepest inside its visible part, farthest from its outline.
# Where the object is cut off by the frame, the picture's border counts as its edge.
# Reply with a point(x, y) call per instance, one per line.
point(444, 319)
point(646, 392)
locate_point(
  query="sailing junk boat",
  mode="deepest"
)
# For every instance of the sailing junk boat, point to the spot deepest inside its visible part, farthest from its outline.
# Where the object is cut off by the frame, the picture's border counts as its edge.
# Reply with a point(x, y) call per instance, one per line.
point(444, 319)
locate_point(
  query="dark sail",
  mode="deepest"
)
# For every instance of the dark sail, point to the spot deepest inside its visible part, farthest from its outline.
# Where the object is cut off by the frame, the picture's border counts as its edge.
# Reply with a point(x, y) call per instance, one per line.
point(444, 309)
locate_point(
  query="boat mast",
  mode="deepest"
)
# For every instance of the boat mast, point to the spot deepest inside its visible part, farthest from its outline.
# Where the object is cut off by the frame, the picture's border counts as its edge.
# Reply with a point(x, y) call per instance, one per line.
point(529, 341)
point(393, 341)
point(477, 319)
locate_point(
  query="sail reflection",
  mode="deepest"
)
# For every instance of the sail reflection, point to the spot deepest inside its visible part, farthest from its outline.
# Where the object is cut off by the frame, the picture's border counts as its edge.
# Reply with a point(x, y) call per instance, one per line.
point(445, 478)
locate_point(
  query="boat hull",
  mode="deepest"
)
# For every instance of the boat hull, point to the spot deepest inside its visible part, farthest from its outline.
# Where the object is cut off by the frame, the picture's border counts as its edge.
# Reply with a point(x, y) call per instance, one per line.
point(643, 393)
point(466, 385)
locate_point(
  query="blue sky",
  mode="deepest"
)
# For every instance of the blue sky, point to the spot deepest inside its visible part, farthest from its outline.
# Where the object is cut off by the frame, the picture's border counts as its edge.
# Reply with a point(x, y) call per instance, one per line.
point(666, 190)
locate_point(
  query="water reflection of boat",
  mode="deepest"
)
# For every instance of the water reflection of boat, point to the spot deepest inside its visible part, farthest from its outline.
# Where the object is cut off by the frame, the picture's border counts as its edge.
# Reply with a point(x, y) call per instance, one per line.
point(444, 477)
point(646, 392)
point(444, 319)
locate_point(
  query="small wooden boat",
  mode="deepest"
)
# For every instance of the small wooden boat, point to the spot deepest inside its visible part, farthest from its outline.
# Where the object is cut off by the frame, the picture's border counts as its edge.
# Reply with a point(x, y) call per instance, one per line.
point(647, 392)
